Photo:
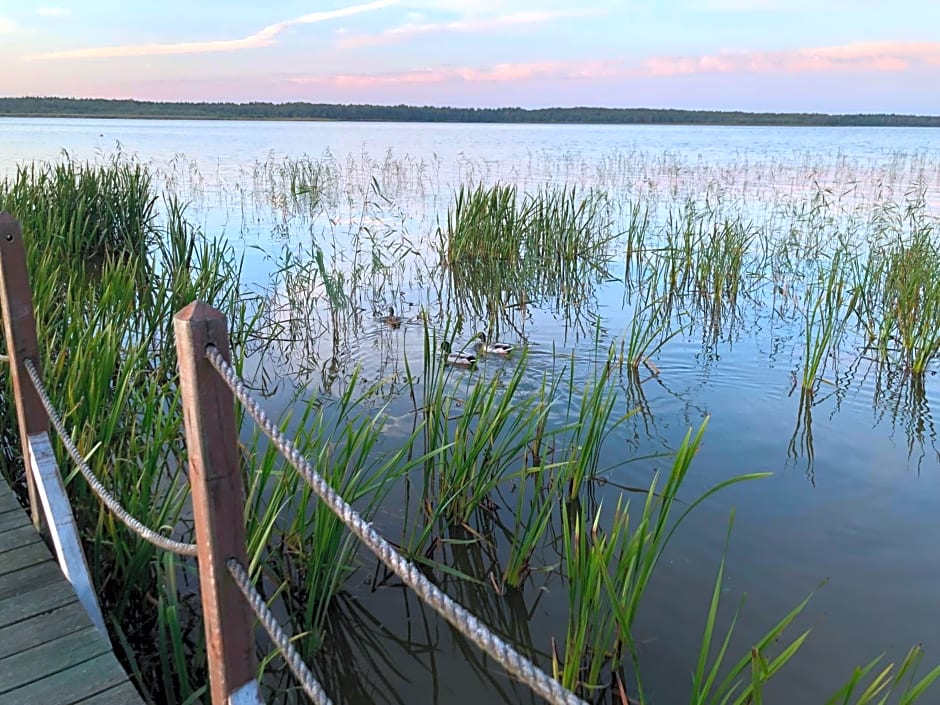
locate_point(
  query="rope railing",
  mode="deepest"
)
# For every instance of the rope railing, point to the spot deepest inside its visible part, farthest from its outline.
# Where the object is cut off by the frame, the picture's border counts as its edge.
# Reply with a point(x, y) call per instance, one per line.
point(308, 682)
point(108, 499)
point(230, 602)
point(459, 617)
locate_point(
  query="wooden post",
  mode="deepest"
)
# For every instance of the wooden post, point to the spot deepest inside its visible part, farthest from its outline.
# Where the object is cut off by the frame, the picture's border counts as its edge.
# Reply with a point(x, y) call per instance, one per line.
point(47, 495)
point(19, 325)
point(218, 504)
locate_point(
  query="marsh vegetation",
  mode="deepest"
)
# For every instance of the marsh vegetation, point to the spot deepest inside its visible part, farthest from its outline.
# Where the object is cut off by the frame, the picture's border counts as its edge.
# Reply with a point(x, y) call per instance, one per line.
point(545, 489)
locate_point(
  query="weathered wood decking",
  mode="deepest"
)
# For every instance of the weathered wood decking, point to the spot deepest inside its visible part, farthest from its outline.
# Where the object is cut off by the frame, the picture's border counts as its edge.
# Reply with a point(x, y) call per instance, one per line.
point(50, 653)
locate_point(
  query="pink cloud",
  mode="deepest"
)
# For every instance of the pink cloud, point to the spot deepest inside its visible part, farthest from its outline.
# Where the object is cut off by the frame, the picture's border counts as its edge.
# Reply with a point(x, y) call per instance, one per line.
point(858, 56)
point(882, 57)
point(498, 73)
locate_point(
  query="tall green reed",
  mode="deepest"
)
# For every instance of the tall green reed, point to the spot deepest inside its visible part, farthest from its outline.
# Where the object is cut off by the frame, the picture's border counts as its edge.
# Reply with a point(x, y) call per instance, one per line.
point(551, 225)
point(824, 321)
point(107, 276)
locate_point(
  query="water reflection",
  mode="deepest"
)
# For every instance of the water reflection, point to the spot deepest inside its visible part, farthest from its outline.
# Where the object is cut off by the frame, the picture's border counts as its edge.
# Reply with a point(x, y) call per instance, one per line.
point(693, 331)
point(401, 651)
point(900, 400)
point(800, 446)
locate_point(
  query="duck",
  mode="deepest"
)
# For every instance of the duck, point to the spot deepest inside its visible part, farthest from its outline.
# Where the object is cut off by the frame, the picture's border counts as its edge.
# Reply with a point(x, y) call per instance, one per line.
point(494, 348)
point(457, 359)
point(391, 319)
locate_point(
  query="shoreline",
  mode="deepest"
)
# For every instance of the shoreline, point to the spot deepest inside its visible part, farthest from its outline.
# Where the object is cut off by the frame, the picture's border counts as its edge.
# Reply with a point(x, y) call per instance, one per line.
point(112, 109)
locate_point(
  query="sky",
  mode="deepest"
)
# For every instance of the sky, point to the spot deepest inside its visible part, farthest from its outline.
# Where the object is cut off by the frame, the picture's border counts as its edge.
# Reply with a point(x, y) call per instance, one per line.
point(836, 56)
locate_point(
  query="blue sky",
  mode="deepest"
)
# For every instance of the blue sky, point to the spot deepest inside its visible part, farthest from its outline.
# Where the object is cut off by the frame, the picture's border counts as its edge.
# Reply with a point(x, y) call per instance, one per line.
point(781, 55)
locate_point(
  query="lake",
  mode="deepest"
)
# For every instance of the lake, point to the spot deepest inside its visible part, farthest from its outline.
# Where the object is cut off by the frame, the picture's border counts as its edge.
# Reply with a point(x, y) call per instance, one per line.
point(850, 510)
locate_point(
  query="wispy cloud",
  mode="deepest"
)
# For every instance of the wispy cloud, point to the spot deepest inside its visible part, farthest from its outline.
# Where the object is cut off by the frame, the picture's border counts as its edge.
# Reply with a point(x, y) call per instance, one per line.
point(488, 7)
point(466, 24)
point(8, 26)
point(780, 6)
point(53, 11)
point(262, 38)
point(743, 5)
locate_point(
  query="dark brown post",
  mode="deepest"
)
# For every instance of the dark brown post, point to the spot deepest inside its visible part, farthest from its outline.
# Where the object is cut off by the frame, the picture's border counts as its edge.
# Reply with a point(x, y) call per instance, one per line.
point(19, 325)
point(218, 503)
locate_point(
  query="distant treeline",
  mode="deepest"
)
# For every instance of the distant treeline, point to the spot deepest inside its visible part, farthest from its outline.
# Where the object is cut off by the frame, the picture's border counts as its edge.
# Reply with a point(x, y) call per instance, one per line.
point(100, 108)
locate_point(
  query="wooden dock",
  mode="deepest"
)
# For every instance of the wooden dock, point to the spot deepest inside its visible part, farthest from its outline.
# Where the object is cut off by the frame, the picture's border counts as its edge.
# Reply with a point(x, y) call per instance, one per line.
point(50, 653)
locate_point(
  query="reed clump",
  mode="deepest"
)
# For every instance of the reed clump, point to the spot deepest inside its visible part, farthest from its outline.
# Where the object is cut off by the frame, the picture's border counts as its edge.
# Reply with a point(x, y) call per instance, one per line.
point(552, 225)
point(912, 298)
point(91, 210)
point(107, 274)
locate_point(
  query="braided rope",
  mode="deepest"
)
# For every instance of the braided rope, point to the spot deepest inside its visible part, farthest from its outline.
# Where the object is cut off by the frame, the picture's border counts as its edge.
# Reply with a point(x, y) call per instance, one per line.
point(184, 549)
point(311, 686)
point(458, 616)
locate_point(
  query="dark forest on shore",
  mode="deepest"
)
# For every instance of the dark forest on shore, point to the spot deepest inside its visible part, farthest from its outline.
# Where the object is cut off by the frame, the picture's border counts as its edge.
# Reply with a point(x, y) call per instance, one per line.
point(105, 108)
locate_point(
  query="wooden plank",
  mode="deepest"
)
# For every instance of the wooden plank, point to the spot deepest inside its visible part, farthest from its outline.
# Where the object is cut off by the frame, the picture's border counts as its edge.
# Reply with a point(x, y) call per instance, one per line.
point(71, 685)
point(118, 695)
point(43, 599)
point(50, 651)
point(5, 511)
point(20, 583)
point(7, 501)
point(50, 658)
point(24, 556)
point(14, 538)
point(42, 628)
point(13, 520)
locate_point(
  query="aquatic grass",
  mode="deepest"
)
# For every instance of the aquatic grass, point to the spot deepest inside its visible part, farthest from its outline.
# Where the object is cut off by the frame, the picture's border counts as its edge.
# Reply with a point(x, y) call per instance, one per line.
point(683, 235)
point(638, 227)
point(867, 302)
point(483, 224)
point(912, 296)
point(721, 261)
point(824, 321)
point(90, 210)
point(563, 225)
point(533, 513)
point(651, 328)
point(551, 225)
point(608, 571)
point(502, 251)
point(531, 518)
point(587, 432)
point(736, 688)
point(488, 430)
point(744, 681)
point(591, 637)
point(888, 684)
point(317, 553)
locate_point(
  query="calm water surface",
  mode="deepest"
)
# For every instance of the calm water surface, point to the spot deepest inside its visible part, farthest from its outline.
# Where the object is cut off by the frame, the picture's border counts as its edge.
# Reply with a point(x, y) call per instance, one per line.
point(854, 504)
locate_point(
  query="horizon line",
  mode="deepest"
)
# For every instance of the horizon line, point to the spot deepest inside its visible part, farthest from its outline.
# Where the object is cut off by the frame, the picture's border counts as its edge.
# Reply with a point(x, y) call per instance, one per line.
point(474, 108)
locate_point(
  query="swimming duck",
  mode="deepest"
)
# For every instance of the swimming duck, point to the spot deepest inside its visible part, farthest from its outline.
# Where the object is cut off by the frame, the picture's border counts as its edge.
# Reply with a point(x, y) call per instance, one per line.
point(457, 359)
point(494, 348)
point(391, 319)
